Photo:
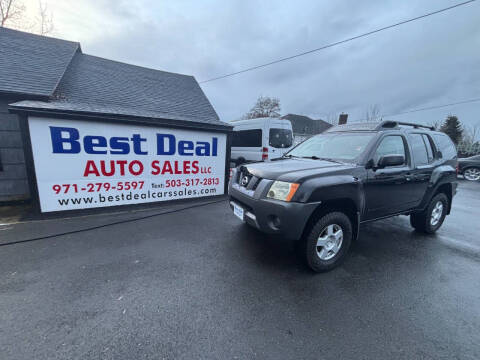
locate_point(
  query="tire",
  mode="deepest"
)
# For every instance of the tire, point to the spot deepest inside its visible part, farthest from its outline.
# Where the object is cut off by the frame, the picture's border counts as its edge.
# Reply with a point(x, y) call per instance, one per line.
point(430, 220)
point(471, 174)
point(328, 230)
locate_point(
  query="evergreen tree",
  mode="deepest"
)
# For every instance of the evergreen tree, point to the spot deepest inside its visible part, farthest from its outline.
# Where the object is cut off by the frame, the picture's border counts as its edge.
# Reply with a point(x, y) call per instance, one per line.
point(453, 128)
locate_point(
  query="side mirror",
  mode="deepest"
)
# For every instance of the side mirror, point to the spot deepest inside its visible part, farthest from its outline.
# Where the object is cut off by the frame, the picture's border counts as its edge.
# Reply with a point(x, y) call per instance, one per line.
point(370, 164)
point(390, 160)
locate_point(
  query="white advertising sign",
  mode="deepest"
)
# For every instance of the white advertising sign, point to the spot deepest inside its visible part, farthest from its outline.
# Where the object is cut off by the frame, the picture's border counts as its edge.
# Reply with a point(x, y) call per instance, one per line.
point(86, 164)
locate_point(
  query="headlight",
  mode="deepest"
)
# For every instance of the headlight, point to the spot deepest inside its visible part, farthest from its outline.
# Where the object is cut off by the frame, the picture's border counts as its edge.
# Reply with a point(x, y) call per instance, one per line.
point(281, 190)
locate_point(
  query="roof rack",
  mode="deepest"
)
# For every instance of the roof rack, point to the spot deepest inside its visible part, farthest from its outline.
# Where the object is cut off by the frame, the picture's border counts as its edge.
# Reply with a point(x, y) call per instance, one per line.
point(393, 124)
point(355, 126)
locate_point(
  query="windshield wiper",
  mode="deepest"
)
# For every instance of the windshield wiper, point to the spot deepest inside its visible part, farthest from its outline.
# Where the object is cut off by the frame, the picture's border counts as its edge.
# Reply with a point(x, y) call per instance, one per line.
point(313, 157)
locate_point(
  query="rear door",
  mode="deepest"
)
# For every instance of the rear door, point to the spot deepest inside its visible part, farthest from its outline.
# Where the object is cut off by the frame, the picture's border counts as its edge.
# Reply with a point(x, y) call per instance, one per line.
point(280, 138)
point(423, 160)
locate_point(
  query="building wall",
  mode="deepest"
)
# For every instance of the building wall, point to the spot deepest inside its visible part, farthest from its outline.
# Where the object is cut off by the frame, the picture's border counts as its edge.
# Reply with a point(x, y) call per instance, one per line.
point(13, 175)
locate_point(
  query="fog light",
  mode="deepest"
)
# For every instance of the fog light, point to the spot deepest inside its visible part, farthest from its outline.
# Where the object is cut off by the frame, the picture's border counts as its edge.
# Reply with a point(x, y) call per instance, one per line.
point(274, 222)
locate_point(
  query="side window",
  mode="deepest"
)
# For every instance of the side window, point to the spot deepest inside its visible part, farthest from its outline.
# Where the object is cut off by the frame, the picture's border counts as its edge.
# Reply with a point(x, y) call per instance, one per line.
point(390, 145)
point(419, 149)
point(247, 138)
point(445, 145)
point(428, 144)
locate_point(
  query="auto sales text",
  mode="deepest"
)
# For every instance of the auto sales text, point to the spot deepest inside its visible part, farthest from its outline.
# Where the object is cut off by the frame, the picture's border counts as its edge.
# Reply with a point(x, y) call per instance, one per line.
point(67, 140)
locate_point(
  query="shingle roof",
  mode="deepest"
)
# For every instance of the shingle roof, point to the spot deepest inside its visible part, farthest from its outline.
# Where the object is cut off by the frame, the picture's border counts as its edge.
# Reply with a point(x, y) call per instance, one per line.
point(119, 88)
point(100, 86)
point(32, 64)
point(304, 125)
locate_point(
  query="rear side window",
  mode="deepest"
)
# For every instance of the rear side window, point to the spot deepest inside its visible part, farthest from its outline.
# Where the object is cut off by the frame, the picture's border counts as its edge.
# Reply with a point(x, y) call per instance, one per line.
point(247, 138)
point(428, 144)
point(419, 149)
point(280, 138)
point(445, 145)
point(390, 145)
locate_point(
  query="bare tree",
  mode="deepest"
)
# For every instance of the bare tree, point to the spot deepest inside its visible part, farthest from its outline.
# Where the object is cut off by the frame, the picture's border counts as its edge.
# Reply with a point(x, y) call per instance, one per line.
point(11, 11)
point(13, 14)
point(470, 133)
point(45, 19)
point(435, 124)
point(372, 114)
point(264, 107)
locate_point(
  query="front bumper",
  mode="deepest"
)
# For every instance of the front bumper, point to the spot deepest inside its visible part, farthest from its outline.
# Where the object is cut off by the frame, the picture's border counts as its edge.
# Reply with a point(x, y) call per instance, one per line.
point(287, 219)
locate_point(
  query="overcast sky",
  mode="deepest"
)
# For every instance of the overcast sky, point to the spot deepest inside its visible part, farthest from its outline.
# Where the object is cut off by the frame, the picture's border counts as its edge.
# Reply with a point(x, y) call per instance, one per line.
point(429, 62)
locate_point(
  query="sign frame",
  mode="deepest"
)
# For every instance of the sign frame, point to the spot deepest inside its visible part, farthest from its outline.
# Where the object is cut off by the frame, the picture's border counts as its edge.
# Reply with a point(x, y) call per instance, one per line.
point(110, 119)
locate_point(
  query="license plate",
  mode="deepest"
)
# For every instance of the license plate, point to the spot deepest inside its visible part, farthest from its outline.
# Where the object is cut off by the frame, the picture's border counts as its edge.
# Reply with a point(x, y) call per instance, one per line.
point(238, 211)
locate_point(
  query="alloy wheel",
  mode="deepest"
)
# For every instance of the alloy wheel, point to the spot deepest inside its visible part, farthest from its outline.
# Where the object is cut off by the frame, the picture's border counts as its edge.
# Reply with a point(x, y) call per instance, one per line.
point(436, 213)
point(472, 174)
point(329, 241)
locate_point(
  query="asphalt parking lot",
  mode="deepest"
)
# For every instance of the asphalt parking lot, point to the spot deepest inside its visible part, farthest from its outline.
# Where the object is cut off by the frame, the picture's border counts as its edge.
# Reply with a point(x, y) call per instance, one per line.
point(197, 283)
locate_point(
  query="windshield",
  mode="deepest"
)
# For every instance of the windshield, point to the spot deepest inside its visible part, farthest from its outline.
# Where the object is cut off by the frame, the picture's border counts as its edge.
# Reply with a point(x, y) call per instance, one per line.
point(280, 138)
point(343, 146)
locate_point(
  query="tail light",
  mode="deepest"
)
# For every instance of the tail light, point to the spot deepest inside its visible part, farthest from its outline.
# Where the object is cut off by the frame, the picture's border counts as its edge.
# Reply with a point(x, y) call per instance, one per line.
point(264, 153)
point(457, 168)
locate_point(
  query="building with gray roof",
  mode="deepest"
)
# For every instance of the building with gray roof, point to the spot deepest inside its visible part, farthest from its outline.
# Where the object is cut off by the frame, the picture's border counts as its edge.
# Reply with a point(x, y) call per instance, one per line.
point(53, 77)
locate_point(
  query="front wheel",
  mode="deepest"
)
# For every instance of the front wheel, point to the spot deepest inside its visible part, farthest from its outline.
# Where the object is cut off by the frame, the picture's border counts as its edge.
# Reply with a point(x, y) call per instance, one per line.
point(472, 174)
point(328, 241)
point(430, 220)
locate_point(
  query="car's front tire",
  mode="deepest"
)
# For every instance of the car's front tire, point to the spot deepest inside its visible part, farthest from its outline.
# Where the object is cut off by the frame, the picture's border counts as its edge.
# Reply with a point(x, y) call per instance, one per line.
point(328, 241)
point(430, 220)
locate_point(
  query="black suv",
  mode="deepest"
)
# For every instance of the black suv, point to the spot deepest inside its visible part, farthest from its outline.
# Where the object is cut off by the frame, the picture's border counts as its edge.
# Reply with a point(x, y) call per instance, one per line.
point(324, 188)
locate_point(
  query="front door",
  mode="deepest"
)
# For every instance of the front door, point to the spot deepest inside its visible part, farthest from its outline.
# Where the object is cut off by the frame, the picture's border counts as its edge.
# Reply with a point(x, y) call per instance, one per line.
point(387, 190)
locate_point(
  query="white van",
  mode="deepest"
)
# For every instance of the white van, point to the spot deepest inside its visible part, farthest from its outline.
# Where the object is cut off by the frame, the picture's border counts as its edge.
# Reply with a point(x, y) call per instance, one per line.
point(260, 139)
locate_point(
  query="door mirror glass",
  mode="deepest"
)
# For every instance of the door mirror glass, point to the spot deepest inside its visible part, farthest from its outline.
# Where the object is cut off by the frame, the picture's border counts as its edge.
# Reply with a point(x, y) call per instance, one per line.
point(370, 164)
point(390, 160)
point(390, 145)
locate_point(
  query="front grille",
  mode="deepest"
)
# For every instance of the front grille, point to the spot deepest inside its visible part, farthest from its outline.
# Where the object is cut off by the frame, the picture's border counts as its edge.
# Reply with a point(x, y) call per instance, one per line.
point(247, 180)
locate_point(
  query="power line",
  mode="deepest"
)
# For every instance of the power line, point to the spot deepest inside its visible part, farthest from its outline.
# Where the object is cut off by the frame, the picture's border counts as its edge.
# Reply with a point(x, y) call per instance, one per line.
point(434, 107)
point(426, 108)
point(337, 43)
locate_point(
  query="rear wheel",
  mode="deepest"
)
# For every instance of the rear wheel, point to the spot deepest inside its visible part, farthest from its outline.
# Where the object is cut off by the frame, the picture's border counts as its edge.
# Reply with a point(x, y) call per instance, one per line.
point(432, 218)
point(328, 241)
point(472, 174)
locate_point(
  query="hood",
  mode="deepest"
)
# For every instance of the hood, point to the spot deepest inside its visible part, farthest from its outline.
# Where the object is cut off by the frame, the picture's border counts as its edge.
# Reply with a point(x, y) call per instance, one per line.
point(471, 158)
point(294, 170)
